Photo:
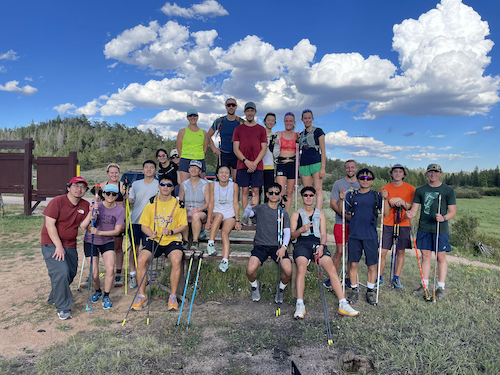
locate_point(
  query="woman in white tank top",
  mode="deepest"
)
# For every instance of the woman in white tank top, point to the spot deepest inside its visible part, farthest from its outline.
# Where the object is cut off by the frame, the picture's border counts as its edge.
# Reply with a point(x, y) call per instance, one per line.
point(223, 209)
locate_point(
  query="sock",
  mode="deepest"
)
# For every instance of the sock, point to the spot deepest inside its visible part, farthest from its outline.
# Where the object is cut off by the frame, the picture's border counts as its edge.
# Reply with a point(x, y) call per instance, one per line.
point(381, 277)
point(396, 277)
point(98, 290)
point(106, 294)
point(132, 273)
point(254, 284)
point(225, 260)
point(368, 289)
point(440, 284)
point(355, 286)
point(343, 301)
point(282, 286)
point(211, 242)
point(426, 282)
point(118, 271)
point(300, 301)
point(370, 285)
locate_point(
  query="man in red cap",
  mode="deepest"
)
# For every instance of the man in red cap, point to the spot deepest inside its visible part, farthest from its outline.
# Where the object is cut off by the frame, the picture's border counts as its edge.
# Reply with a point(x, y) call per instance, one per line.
point(63, 215)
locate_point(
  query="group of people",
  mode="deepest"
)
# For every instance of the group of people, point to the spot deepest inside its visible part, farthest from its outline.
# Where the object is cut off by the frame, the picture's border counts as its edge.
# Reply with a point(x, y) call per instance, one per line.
point(161, 218)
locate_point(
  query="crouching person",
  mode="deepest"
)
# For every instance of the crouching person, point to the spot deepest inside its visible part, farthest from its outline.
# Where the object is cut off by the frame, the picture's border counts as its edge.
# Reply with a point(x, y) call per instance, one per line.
point(163, 221)
point(308, 226)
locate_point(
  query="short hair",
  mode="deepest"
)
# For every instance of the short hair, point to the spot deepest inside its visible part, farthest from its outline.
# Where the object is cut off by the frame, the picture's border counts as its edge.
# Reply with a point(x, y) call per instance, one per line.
point(160, 150)
point(218, 168)
point(228, 99)
point(307, 188)
point(349, 161)
point(365, 172)
point(167, 176)
point(274, 185)
point(269, 114)
point(149, 161)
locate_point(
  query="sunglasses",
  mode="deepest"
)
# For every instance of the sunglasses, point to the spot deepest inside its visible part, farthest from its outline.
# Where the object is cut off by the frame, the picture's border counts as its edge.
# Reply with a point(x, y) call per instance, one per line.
point(167, 184)
point(193, 116)
point(308, 195)
point(366, 178)
point(162, 156)
point(230, 105)
point(108, 193)
point(174, 157)
point(273, 193)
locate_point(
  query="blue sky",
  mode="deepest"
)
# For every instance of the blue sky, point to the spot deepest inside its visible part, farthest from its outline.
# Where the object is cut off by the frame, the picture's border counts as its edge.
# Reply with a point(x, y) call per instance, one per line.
point(412, 82)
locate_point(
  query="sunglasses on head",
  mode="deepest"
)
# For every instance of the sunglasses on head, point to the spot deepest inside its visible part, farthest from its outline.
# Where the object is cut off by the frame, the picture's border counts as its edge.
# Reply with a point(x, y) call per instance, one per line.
point(273, 192)
point(167, 184)
point(308, 195)
point(108, 193)
point(230, 105)
point(366, 178)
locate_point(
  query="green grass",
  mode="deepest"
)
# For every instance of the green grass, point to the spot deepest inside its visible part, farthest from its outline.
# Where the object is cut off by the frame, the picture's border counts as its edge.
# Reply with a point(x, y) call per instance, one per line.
point(486, 209)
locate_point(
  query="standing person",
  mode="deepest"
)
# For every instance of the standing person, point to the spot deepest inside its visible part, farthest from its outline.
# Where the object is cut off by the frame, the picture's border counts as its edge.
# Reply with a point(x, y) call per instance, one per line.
point(108, 224)
point(194, 194)
point(313, 156)
point(139, 195)
point(224, 126)
point(250, 146)
point(349, 183)
point(113, 172)
point(162, 221)
point(166, 165)
point(400, 199)
point(266, 243)
point(427, 196)
point(285, 169)
point(308, 226)
point(63, 216)
point(223, 208)
point(364, 205)
point(192, 143)
point(272, 152)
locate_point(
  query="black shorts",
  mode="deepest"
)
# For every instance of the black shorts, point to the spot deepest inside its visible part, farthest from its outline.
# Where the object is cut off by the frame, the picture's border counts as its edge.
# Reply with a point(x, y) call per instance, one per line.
point(306, 247)
point(286, 170)
point(172, 246)
point(87, 247)
point(263, 252)
point(356, 248)
point(403, 241)
point(255, 179)
point(229, 159)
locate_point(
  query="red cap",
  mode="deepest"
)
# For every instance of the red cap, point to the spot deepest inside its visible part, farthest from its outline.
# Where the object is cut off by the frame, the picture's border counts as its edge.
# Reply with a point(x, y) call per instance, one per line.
point(76, 180)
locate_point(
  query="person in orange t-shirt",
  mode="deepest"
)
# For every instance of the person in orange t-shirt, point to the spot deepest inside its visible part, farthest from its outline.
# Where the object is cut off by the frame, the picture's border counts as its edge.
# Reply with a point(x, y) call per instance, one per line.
point(400, 199)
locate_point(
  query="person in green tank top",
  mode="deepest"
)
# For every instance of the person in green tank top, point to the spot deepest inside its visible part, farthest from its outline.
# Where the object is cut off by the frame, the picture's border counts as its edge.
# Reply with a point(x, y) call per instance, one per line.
point(192, 143)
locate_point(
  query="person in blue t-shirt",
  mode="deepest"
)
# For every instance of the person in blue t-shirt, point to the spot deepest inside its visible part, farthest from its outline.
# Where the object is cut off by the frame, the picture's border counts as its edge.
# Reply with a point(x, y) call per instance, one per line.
point(363, 205)
point(224, 127)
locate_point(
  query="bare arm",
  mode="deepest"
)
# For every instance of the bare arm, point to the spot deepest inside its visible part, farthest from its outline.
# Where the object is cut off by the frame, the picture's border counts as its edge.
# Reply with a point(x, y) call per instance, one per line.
point(413, 212)
point(210, 205)
point(205, 142)
point(322, 171)
point(324, 231)
point(216, 150)
point(114, 232)
point(236, 206)
point(452, 212)
point(178, 142)
point(181, 192)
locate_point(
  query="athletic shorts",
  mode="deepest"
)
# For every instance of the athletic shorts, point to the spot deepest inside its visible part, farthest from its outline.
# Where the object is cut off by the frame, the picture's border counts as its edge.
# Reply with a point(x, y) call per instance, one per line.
point(337, 232)
point(184, 165)
point(356, 248)
point(244, 179)
point(87, 247)
point(403, 241)
point(138, 235)
point(309, 170)
point(228, 159)
point(286, 170)
point(427, 241)
point(172, 246)
point(306, 247)
point(263, 252)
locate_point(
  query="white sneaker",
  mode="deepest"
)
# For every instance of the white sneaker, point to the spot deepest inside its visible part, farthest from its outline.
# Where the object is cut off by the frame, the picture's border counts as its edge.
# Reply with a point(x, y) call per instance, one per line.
point(347, 310)
point(211, 249)
point(300, 311)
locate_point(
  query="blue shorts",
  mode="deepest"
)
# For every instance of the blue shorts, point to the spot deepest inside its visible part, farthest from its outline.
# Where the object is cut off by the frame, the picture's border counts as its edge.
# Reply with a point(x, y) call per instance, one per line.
point(356, 247)
point(138, 235)
point(427, 241)
point(184, 165)
point(263, 252)
point(87, 247)
point(228, 159)
point(306, 247)
point(245, 179)
point(286, 170)
point(160, 250)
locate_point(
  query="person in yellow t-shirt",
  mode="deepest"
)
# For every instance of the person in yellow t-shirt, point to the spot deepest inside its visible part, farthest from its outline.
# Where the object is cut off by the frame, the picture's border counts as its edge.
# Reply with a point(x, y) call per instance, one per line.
point(163, 221)
point(400, 200)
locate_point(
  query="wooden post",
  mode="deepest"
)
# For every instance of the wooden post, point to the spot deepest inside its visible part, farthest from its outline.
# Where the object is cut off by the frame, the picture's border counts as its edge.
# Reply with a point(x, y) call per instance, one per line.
point(28, 173)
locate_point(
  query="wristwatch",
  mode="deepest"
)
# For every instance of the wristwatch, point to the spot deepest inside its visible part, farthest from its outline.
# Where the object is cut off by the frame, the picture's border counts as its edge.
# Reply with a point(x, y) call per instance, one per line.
point(444, 217)
point(244, 159)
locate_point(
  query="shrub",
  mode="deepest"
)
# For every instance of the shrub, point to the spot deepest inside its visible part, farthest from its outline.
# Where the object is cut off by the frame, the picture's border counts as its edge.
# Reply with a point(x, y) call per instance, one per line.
point(467, 193)
point(464, 232)
point(491, 191)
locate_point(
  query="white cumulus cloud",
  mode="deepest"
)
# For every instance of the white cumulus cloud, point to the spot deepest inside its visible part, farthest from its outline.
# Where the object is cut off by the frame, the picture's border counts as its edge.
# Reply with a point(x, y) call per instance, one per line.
point(9, 55)
point(13, 86)
point(208, 8)
point(64, 108)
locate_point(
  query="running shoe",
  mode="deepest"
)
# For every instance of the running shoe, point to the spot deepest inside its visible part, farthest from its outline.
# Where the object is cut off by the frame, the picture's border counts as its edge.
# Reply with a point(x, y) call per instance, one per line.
point(347, 310)
point(380, 282)
point(172, 303)
point(203, 235)
point(142, 301)
point(223, 266)
point(300, 311)
point(370, 298)
point(96, 296)
point(106, 303)
point(279, 294)
point(353, 296)
point(132, 282)
point(118, 281)
point(195, 246)
point(419, 292)
point(85, 284)
point(185, 245)
point(211, 249)
point(327, 284)
point(63, 315)
point(396, 284)
point(244, 221)
point(440, 293)
point(256, 293)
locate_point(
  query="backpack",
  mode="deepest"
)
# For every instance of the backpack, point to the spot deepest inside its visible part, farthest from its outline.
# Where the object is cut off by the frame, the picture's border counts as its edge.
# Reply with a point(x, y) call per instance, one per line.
point(351, 204)
point(307, 140)
point(218, 123)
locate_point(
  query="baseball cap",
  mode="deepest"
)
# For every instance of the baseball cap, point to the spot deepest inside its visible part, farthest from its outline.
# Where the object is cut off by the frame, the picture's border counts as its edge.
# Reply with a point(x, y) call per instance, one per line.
point(400, 166)
point(111, 187)
point(250, 105)
point(174, 152)
point(76, 180)
point(196, 163)
point(192, 112)
point(433, 167)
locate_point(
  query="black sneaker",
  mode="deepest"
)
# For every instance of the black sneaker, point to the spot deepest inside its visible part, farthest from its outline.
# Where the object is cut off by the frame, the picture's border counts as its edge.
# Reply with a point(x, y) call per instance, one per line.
point(419, 292)
point(370, 298)
point(353, 296)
